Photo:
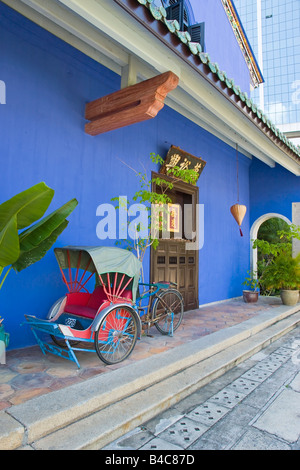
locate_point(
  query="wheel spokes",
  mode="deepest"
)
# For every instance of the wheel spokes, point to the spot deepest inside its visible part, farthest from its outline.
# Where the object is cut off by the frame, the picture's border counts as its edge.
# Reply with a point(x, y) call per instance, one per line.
point(117, 335)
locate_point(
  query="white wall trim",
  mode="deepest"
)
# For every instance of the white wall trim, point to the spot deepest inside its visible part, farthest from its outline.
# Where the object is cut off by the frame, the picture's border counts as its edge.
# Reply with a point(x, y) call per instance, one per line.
point(296, 221)
point(253, 235)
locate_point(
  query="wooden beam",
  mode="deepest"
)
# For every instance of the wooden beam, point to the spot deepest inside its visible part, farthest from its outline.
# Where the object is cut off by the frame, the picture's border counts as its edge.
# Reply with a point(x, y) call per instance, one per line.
point(130, 105)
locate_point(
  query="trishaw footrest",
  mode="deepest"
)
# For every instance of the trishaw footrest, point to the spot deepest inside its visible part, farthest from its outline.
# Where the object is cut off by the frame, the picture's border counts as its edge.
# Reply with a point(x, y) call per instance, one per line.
point(45, 326)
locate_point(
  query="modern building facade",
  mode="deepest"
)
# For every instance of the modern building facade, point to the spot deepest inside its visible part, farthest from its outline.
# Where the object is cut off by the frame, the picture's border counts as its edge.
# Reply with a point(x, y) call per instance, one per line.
point(273, 30)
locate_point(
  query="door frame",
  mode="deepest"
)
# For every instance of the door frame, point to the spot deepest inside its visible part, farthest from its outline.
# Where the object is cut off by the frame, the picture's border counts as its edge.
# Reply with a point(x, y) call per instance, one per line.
point(194, 192)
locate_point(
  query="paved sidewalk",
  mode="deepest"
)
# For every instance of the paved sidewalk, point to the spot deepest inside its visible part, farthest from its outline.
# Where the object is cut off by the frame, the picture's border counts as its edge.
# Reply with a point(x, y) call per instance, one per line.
point(255, 406)
point(29, 374)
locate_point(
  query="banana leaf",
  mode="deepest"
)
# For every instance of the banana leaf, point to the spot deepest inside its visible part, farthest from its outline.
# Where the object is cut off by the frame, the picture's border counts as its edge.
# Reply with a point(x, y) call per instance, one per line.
point(17, 213)
point(38, 239)
point(9, 244)
point(37, 233)
point(36, 254)
point(29, 206)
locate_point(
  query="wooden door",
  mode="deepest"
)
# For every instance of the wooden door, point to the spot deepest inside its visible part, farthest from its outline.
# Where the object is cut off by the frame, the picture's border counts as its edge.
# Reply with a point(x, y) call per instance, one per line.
point(171, 261)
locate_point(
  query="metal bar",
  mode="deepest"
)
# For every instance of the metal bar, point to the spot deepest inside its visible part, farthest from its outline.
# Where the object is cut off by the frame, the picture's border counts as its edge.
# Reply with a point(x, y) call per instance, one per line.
point(108, 283)
point(77, 270)
point(82, 285)
point(64, 279)
point(120, 285)
point(81, 279)
point(70, 270)
point(120, 294)
point(114, 288)
point(103, 285)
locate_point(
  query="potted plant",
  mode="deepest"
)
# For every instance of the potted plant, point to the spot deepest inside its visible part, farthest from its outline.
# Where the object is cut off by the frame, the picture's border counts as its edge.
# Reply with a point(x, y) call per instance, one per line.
point(251, 295)
point(283, 274)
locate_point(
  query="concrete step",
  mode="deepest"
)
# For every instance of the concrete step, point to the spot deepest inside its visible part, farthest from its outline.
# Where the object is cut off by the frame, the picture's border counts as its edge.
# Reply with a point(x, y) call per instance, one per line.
point(94, 413)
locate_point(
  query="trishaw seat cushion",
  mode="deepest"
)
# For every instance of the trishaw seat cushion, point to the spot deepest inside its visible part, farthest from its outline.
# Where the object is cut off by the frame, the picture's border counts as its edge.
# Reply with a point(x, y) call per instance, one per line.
point(97, 298)
point(81, 310)
point(127, 294)
point(78, 298)
point(87, 305)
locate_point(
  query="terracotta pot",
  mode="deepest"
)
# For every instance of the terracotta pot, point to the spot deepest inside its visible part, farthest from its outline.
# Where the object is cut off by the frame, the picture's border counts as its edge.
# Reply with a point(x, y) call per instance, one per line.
point(250, 296)
point(289, 297)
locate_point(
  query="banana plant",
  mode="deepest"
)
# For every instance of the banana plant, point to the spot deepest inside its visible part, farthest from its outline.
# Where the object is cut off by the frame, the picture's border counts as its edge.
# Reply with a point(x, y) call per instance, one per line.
point(24, 238)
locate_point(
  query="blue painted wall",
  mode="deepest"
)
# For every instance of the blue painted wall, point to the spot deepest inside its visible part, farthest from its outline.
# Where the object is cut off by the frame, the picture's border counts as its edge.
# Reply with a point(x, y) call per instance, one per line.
point(272, 190)
point(221, 43)
point(42, 139)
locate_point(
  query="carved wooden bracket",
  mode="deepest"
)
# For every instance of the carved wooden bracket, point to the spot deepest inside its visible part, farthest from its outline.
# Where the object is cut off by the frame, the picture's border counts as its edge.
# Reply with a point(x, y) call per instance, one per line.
point(130, 105)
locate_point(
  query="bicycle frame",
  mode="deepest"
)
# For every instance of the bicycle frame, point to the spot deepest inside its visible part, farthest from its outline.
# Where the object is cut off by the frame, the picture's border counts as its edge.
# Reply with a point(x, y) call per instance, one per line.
point(153, 291)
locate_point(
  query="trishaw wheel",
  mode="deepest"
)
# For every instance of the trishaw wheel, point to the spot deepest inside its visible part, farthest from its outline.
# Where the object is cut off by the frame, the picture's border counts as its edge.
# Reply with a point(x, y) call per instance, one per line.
point(168, 306)
point(116, 335)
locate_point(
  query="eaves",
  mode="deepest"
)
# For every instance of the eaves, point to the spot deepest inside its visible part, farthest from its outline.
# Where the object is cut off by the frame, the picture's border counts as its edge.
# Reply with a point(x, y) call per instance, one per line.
point(180, 43)
point(134, 35)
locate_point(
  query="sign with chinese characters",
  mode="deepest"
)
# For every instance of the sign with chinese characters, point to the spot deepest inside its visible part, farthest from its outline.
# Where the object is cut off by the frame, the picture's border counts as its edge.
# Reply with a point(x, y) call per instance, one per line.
point(183, 160)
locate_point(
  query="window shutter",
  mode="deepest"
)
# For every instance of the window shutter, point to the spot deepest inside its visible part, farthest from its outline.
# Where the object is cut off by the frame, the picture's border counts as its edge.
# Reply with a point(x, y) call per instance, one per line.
point(197, 32)
point(176, 12)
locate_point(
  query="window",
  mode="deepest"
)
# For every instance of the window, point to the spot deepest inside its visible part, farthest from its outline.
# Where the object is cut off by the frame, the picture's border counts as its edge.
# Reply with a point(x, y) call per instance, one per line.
point(177, 11)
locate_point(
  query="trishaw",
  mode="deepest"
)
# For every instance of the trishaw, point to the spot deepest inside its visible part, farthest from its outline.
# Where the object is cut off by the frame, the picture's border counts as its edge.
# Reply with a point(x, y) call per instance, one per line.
point(103, 305)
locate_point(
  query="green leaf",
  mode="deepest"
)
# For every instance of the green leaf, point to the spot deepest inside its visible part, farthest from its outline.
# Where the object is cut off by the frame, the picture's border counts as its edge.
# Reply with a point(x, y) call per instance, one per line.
point(37, 233)
point(39, 238)
point(9, 243)
point(30, 257)
point(29, 206)
point(155, 243)
point(19, 212)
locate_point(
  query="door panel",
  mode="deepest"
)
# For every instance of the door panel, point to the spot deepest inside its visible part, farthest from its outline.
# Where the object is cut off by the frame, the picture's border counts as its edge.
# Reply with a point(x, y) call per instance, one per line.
point(171, 262)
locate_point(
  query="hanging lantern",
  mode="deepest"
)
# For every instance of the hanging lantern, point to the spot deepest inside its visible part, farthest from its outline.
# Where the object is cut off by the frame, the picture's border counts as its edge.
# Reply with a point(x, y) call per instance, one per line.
point(238, 210)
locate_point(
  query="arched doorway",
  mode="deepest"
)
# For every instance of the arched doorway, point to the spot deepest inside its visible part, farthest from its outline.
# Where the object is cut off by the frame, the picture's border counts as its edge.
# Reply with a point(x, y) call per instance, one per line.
point(253, 235)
